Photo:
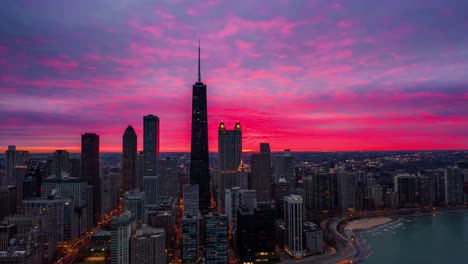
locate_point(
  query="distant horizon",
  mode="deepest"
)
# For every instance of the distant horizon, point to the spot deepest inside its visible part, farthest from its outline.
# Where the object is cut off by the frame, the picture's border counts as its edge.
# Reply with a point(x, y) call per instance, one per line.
point(2, 151)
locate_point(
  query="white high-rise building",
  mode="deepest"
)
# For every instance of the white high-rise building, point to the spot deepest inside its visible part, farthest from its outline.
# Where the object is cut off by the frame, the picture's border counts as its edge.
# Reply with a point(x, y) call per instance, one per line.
point(293, 218)
point(121, 229)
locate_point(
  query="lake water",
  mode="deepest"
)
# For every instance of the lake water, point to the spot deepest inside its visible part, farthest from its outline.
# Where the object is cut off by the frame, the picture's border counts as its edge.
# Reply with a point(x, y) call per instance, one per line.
point(427, 239)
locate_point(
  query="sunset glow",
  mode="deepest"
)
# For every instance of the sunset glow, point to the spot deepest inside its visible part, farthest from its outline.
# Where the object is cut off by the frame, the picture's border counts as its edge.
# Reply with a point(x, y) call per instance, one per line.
point(303, 75)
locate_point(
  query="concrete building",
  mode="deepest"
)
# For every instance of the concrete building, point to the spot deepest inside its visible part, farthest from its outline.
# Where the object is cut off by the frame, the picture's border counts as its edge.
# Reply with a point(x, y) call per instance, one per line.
point(232, 200)
point(346, 183)
point(191, 202)
point(216, 238)
point(319, 192)
point(248, 198)
point(168, 178)
point(151, 190)
point(284, 168)
point(73, 188)
point(60, 163)
point(377, 195)
point(260, 179)
point(147, 246)
point(190, 238)
point(245, 235)
point(280, 189)
point(293, 218)
point(265, 247)
point(313, 237)
point(406, 187)
point(121, 229)
point(453, 186)
point(134, 201)
point(8, 201)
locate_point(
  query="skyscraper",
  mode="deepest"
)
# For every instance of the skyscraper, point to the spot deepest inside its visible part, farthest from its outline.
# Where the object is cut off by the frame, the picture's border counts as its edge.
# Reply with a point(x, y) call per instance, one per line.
point(147, 245)
point(453, 186)
point(293, 218)
point(129, 159)
point(405, 185)
point(121, 227)
point(199, 160)
point(216, 238)
point(10, 163)
point(90, 169)
point(346, 183)
point(60, 163)
point(230, 154)
point(261, 173)
point(150, 144)
point(284, 168)
point(168, 178)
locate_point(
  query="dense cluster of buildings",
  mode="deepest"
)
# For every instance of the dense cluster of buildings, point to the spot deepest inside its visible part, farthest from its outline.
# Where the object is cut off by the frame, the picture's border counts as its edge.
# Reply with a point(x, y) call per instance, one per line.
point(145, 211)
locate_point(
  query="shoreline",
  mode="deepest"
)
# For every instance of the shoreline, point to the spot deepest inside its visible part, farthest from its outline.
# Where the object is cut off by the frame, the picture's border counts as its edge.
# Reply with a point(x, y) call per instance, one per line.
point(363, 248)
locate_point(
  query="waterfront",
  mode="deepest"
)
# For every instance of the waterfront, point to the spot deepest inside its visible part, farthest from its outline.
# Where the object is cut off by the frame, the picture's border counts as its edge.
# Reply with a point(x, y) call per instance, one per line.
point(425, 239)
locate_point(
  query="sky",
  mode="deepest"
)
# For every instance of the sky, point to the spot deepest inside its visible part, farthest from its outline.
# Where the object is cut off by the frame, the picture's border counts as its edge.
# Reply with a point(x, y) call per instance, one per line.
point(304, 75)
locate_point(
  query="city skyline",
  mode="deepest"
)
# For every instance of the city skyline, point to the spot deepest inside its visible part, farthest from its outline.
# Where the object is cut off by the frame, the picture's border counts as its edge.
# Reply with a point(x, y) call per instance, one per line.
point(321, 76)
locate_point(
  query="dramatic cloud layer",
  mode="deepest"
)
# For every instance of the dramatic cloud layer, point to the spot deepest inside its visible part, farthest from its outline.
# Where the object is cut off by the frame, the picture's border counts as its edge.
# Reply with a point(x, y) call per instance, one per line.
point(305, 75)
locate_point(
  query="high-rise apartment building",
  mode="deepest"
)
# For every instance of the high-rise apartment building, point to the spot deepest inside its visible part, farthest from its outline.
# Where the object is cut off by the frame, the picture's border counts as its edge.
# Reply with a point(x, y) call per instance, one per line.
point(129, 160)
point(121, 227)
point(319, 192)
point(260, 179)
point(229, 156)
point(199, 159)
point(405, 185)
point(453, 186)
point(346, 183)
point(147, 245)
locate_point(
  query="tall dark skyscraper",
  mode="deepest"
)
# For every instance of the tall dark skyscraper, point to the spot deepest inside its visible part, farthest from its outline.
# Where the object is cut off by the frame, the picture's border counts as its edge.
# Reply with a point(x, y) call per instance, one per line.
point(261, 173)
point(229, 156)
point(90, 168)
point(129, 159)
point(150, 144)
point(199, 163)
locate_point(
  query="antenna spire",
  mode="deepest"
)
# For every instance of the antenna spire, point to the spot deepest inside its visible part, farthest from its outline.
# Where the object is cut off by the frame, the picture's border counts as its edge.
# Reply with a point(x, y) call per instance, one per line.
point(199, 75)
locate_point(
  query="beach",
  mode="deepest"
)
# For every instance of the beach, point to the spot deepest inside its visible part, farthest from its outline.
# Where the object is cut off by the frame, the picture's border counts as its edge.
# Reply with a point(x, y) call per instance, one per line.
point(367, 223)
